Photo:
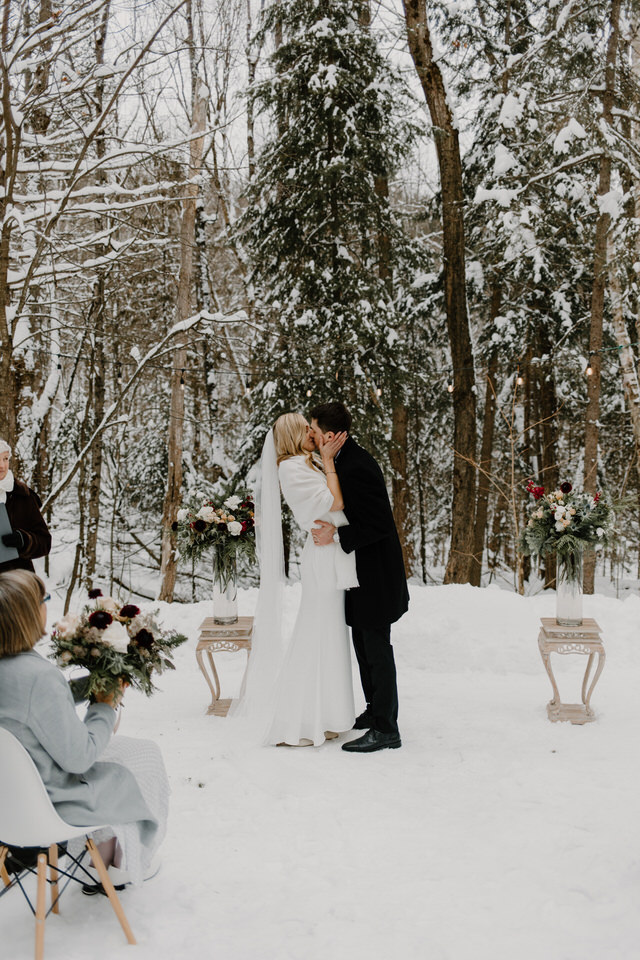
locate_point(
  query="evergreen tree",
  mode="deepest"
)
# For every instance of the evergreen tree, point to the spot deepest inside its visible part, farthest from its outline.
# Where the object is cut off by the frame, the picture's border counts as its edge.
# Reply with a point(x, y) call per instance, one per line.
point(319, 226)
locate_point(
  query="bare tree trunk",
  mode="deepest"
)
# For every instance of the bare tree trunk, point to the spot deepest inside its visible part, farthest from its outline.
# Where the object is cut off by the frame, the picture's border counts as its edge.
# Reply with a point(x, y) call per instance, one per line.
point(597, 294)
point(464, 402)
point(176, 422)
point(484, 474)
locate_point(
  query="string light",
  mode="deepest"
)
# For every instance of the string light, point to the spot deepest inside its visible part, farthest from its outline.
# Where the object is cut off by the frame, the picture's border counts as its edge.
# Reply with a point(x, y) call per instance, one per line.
point(379, 392)
point(308, 393)
point(450, 386)
point(519, 377)
point(589, 370)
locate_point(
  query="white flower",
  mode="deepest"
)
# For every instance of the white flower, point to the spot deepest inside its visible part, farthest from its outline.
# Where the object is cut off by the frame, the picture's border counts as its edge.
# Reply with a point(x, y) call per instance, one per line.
point(559, 526)
point(65, 656)
point(116, 636)
point(600, 531)
point(234, 528)
point(108, 604)
point(206, 513)
point(233, 502)
point(182, 515)
point(67, 626)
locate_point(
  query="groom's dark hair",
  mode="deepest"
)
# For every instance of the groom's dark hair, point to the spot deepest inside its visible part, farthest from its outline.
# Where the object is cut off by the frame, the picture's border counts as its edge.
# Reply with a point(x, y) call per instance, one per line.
point(332, 416)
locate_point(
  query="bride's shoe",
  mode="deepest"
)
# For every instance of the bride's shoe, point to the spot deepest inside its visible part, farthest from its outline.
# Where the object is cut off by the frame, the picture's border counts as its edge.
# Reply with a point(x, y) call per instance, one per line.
point(301, 743)
point(331, 735)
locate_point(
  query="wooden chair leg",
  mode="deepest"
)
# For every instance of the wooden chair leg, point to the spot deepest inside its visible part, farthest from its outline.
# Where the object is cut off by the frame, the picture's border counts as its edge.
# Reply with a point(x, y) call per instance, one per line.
point(53, 874)
point(41, 904)
point(98, 863)
point(6, 879)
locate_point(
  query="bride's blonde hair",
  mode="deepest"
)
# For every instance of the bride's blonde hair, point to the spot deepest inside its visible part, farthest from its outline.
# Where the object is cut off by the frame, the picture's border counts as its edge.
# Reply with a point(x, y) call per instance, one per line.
point(289, 433)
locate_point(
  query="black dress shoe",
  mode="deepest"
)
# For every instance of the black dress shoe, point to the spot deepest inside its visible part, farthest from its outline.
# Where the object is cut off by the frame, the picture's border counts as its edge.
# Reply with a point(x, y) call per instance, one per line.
point(91, 889)
point(373, 740)
point(363, 722)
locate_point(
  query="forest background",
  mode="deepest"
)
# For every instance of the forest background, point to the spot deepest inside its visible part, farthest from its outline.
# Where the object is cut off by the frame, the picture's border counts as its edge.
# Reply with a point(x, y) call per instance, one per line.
point(214, 211)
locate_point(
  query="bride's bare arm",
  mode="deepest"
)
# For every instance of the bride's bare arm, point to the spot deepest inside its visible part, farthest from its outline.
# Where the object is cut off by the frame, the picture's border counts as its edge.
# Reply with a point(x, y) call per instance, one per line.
point(328, 450)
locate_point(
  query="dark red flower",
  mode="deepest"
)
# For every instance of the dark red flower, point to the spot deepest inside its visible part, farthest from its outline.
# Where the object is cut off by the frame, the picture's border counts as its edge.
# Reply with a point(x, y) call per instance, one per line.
point(245, 526)
point(95, 593)
point(199, 525)
point(100, 619)
point(130, 611)
point(566, 487)
point(144, 639)
point(597, 497)
point(536, 492)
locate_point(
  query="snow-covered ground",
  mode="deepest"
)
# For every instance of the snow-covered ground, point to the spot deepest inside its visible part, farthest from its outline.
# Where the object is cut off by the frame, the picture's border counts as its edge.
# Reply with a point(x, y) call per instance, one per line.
point(492, 834)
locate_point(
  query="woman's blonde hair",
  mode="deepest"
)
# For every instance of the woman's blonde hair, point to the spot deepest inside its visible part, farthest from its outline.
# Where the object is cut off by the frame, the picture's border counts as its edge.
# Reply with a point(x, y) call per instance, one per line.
point(21, 596)
point(289, 433)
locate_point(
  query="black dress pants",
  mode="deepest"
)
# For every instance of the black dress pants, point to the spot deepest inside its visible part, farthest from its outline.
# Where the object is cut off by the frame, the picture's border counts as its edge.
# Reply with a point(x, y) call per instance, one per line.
point(378, 675)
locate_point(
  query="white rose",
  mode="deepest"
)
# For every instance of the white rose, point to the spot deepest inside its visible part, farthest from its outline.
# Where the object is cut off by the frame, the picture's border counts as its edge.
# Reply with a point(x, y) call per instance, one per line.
point(108, 604)
point(234, 528)
point(233, 502)
point(560, 526)
point(207, 513)
point(68, 625)
point(116, 636)
point(182, 515)
point(600, 531)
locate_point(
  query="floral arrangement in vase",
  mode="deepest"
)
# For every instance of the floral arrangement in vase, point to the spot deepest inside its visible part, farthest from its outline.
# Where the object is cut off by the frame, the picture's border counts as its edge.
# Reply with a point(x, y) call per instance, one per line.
point(227, 528)
point(566, 522)
point(113, 642)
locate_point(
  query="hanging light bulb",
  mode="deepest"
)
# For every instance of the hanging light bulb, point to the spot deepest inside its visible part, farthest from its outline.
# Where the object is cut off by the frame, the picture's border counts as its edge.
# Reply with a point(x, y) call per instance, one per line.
point(519, 377)
point(450, 387)
point(182, 379)
point(589, 370)
point(379, 392)
point(308, 393)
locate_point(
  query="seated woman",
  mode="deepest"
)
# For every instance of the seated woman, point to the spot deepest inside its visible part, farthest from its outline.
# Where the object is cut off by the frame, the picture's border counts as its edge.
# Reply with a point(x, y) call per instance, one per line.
point(89, 780)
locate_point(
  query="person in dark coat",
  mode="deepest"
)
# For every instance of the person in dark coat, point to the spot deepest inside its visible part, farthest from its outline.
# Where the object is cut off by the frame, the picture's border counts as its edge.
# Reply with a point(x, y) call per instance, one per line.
point(30, 534)
point(382, 596)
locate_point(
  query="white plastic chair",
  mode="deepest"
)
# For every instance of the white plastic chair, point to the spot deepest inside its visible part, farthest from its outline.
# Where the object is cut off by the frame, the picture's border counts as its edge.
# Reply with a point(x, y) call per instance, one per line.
point(28, 819)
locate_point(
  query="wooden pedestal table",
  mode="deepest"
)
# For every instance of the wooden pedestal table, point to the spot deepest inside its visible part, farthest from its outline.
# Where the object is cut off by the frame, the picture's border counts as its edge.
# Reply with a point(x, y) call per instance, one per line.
point(584, 639)
point(217, 638)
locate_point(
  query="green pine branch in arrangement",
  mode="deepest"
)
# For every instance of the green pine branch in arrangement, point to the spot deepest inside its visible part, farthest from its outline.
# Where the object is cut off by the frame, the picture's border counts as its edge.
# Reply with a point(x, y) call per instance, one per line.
point(226, 529)
point(114, 644)
point(566, 522)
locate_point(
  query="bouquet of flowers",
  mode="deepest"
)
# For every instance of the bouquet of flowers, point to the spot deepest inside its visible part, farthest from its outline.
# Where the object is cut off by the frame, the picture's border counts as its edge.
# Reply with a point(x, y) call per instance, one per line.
point(565, 522)
point(113, 643)
point(228, 528)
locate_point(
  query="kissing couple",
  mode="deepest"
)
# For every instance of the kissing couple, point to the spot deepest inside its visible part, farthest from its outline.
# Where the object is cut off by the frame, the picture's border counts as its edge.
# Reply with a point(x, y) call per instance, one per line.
point(352, 573)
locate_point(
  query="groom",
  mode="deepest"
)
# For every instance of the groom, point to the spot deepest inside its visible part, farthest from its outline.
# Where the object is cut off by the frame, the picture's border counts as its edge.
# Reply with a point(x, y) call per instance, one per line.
point(382, 596)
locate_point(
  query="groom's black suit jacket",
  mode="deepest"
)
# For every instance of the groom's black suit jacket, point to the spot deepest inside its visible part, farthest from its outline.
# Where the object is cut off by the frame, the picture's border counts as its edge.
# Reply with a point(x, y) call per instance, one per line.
point(382, 596)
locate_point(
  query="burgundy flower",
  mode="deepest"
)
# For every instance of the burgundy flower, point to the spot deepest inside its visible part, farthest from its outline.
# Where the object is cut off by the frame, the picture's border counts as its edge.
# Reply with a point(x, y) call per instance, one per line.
point(199, 525)
point(566, 487)
point(100, 619)
point(144, 639)
point(130, 611)
point(597, 497)
point(245, 526)
point(536, 492)
point(95, 593)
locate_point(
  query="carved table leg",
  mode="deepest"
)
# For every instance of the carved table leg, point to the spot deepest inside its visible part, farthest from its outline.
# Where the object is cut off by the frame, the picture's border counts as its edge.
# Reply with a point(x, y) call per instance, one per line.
point(546, 659)
point(586, 676)
point(599, 669)
point(215, 690)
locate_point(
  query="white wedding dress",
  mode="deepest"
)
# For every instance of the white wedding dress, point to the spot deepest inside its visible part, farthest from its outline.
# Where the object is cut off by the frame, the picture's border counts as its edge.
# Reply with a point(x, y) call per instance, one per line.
point(314, 691)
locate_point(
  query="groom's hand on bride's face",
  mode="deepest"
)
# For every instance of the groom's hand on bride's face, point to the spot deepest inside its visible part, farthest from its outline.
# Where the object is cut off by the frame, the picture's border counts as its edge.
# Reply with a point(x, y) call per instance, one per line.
point(322, 533)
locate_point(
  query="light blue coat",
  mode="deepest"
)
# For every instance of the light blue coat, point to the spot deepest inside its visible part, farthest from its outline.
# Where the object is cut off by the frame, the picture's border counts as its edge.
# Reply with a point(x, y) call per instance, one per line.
point(36, 706)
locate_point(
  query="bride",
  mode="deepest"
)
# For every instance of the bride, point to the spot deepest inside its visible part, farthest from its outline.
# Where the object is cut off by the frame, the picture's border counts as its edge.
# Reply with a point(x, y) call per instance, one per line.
point(309, 698)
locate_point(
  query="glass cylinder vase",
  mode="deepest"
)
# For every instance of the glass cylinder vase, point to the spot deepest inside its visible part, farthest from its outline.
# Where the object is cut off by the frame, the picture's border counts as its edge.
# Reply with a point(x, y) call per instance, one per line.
point(225, 592)
point(569, 591)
